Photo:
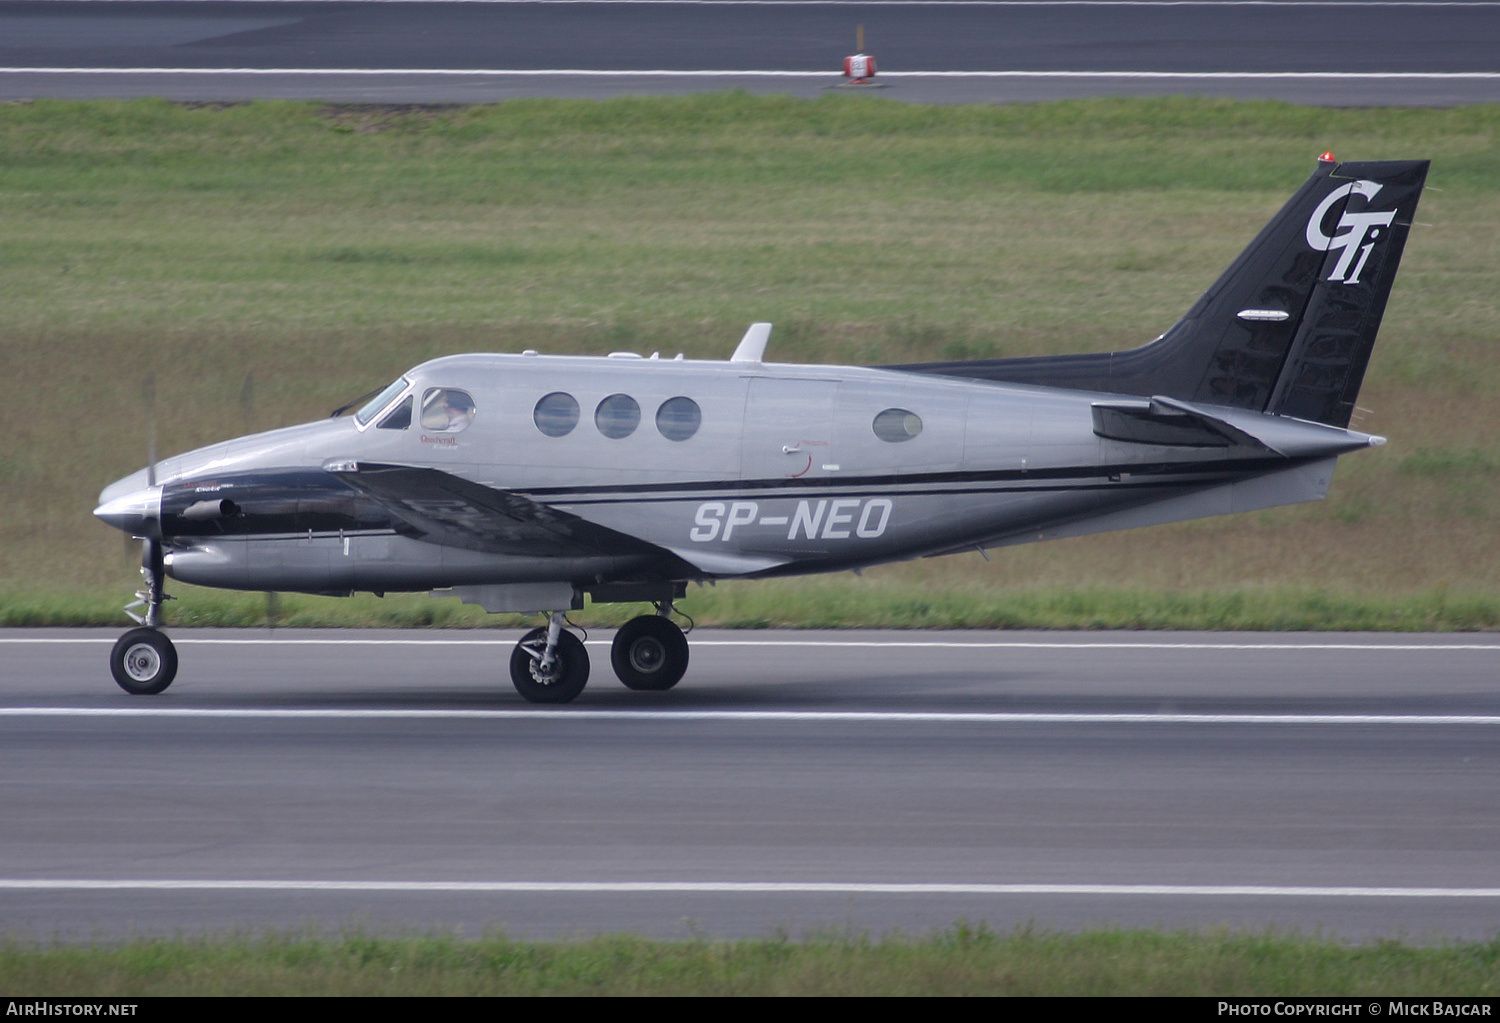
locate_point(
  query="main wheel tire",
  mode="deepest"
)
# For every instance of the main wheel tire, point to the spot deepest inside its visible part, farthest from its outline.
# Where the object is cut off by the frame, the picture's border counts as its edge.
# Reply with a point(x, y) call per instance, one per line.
point(143, 662)
point(570, 668)
point(650, 653)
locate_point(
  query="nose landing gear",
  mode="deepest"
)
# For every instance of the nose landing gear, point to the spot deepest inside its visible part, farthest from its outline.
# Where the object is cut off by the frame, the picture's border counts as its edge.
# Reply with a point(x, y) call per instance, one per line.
point(144, 661)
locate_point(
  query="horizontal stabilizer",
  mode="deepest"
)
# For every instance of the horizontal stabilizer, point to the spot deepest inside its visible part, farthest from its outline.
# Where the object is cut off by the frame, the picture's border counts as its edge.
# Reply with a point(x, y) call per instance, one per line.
point(1167, 421)
point(1157, 422)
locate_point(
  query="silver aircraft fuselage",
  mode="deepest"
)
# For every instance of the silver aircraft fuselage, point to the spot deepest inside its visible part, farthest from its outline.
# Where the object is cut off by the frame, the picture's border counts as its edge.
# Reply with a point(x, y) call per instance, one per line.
point(785, 475)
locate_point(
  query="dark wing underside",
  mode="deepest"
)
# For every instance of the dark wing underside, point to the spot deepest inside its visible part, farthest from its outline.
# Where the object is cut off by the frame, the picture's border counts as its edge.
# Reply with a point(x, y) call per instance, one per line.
point(455, 512)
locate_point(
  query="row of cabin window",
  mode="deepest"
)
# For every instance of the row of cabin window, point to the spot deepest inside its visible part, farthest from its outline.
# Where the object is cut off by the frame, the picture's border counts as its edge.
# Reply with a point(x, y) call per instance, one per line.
point(449, 410)
point(678, 418)
point(617, 416)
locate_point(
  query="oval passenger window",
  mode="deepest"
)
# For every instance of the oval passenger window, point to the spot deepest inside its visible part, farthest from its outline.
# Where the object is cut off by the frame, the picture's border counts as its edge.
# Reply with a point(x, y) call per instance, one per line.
point(617, 416)
point(895, 425)
point(556, 414)
point(678, 418)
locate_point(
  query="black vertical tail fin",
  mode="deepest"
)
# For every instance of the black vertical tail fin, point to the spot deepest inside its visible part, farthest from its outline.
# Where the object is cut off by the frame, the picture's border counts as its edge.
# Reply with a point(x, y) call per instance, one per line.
point(1362, 226)
point(1287, 328)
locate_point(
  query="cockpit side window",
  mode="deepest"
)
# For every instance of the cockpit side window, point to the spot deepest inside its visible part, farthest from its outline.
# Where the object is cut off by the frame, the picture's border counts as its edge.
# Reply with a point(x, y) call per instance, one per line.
point(375, 404)
point(398, 418)
point(447, 410)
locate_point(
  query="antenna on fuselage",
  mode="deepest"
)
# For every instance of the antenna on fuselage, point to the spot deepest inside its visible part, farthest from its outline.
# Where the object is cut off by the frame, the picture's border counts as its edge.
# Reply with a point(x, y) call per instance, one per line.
point(753, 345)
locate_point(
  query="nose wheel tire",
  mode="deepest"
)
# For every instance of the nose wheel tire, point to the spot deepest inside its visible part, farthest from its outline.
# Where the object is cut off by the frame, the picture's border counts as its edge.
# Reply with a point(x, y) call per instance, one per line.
point(143, 662)
point(650, 653)
point(568, 675)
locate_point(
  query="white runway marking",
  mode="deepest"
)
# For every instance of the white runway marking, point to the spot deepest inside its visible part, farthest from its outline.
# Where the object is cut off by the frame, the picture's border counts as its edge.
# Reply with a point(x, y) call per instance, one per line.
point(445, 72)
point(1228, 76)
point(779, 716)
point(922, 3)
point(914, 644)
point(747, 888)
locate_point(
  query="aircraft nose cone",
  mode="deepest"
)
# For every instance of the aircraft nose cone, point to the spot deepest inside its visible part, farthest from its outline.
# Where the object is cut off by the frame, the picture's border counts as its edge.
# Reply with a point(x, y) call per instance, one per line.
point(130, 512)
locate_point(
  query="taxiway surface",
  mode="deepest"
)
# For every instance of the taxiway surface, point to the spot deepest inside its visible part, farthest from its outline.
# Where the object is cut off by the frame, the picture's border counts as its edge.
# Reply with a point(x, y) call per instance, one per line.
point(794, 781)
point(1344, 52)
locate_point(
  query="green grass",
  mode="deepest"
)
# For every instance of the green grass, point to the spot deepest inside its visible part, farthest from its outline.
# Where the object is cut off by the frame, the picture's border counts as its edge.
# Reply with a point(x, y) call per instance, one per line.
point(265, 262)
point(821, 604)
point(964, 960)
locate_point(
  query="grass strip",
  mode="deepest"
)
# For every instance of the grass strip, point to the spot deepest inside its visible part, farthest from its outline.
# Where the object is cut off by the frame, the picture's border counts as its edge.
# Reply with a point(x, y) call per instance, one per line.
point(820, 604)
point(264, 262)
point(963, 960)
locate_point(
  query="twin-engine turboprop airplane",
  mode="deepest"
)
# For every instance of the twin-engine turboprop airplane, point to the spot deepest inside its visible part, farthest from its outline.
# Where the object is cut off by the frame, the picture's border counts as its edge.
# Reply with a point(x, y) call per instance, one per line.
point(529, 482)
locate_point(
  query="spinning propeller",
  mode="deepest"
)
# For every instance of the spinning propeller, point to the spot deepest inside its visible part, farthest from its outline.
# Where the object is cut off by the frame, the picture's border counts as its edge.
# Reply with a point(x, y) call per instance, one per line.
point(152, 555)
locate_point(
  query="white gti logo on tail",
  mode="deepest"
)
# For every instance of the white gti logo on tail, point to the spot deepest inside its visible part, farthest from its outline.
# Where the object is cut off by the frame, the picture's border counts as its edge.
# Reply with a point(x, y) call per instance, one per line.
point(1354, 227)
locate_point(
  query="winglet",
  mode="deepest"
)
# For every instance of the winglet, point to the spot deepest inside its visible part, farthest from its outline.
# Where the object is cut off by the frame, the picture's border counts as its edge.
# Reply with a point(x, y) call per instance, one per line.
point(753, 345)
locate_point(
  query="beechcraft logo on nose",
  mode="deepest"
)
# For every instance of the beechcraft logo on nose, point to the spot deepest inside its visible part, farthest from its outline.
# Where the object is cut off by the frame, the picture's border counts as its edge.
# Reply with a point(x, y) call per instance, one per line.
point(1352, 231)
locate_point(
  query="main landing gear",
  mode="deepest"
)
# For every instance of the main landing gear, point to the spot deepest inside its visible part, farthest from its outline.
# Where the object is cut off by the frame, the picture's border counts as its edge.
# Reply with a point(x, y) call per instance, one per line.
point(144, 661)
point(649, 652)
point(550, 665)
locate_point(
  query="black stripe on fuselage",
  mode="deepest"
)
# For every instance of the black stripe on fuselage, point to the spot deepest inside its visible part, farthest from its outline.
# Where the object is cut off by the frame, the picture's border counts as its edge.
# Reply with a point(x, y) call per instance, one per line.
point(852, 492)
point(1222, 471)
point(846, 492)
point(1133, 478)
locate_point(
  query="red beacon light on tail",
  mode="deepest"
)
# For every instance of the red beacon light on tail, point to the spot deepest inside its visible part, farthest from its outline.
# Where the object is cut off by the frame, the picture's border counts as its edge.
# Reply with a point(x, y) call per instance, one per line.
point(1326, 157)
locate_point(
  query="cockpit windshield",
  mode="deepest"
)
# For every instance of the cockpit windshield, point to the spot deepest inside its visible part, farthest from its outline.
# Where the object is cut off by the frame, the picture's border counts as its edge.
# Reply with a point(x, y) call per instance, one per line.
point(365, 414)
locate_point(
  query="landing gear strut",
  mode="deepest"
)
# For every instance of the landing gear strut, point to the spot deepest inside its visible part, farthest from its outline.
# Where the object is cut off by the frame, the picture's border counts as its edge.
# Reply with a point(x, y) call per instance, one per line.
point(144, 661)
point(549, 665)
point(650, 652)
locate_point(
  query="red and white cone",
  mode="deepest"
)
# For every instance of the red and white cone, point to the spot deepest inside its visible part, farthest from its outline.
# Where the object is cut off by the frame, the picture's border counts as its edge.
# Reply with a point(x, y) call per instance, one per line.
point(859, 68)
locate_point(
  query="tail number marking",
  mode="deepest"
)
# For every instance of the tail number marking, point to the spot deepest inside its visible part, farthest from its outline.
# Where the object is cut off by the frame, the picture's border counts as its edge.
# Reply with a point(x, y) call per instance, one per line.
point(823, 519)
point(1354, 228)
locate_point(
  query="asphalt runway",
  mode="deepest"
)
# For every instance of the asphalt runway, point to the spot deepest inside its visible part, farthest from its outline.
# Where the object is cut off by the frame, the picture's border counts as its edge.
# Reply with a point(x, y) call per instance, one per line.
point(1345, 52)
point(794, 782)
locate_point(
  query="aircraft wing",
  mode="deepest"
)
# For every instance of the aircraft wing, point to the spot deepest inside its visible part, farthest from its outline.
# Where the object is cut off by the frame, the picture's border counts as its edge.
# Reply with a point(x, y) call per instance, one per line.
point(455, 512)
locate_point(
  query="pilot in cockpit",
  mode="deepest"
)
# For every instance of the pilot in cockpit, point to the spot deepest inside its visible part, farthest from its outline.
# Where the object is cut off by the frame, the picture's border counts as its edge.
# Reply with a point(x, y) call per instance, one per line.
point(447, 410)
